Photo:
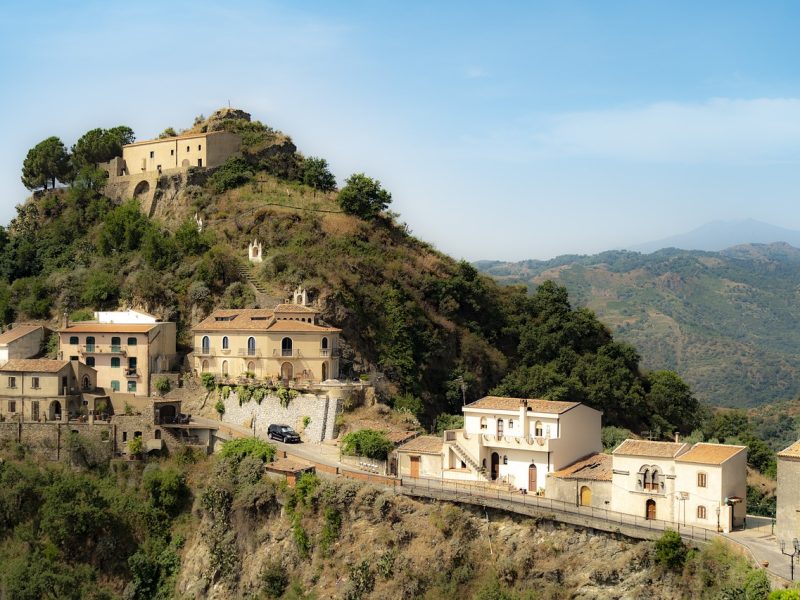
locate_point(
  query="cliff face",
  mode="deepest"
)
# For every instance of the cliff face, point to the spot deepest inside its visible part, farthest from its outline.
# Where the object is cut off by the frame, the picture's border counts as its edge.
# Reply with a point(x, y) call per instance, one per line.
point(390, 546)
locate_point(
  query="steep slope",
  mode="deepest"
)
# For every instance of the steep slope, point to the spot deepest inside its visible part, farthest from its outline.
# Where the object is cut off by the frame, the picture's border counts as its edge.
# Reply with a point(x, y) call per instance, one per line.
point(726, 321)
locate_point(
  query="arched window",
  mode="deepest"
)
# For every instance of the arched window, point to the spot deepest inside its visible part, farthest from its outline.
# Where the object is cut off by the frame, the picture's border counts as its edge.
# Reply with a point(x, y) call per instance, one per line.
point(224, 367)
point(324, 343)
point(286, 346)
point(643, 478)
point(655, 481)
point(251, 367)
point(538, 432)
point(251, 346)
point(224, 342)
point(701, 512)
point(484, 424)
point(511, 423)
point(206, 345)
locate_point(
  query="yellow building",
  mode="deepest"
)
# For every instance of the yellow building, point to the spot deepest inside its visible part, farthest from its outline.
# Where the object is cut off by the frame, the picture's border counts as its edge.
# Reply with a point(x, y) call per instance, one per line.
point(183, 151)
point(125, 355)
point(42, 389)
point(286, 343)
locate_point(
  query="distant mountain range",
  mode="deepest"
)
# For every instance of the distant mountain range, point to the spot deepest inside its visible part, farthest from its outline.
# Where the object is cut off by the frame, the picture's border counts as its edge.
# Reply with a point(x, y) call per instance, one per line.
point(718, 235)
point(726, 321)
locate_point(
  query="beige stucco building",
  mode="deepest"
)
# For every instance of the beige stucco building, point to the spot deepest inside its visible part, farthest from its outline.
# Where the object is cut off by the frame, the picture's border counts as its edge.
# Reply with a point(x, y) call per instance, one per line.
point(286, 343)
point(787, 526)
point(21, 341)
point(42, 389)
point(586, 482)
point(125, 355)
point(183, 151)
point(702, 485)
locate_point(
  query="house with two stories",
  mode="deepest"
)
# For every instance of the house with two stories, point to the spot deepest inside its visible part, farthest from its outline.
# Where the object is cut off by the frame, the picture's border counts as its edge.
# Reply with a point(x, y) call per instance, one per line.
point(287, 343)
point(125, 348)
point(703, 485)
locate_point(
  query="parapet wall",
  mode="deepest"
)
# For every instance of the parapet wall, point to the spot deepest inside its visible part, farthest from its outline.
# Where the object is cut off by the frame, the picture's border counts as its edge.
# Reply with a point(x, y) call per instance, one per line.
point(52, 440)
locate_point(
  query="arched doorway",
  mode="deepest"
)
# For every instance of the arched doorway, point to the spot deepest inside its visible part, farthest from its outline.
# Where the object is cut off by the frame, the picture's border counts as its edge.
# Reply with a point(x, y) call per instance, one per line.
point(167, 413)
point(204, 368)
point(86, 383)
point(650, 510)
point(251, 367)
point(185, 162)
point(532, 478)
point(324, 371)
point(158, 434)
point(286, 371)
point(225, 367)
point(495, 466)
point(142, 188)
point(55, 411)
point(586, 496)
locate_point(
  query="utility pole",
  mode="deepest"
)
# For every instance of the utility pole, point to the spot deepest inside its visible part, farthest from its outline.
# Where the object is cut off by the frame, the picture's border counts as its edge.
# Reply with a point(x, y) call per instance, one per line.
point(795, 550)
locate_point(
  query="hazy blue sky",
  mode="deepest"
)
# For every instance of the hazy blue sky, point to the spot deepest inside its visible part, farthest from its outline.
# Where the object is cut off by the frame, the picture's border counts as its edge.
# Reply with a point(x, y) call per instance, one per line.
point(513, 130)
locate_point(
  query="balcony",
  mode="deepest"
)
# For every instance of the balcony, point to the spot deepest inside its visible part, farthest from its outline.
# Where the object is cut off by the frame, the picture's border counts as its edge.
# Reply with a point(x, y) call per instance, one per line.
point(326, 352)
point(287, 353)
point(509, 440)
point(102, 349)
point(250, 352)
point(131, 373)
point(204, 351)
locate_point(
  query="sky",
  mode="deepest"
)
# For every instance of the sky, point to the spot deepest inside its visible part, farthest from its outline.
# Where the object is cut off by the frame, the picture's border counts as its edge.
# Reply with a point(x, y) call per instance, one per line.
point(505, 131)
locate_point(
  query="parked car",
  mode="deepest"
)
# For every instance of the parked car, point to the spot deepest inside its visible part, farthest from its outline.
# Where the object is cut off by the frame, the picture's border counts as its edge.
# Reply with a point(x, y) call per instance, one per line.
point(283, 433)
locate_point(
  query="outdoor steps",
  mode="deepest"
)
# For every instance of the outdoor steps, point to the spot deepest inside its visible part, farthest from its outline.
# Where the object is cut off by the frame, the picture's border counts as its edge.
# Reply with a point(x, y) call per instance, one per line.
point(247, 273)
point(467, 458)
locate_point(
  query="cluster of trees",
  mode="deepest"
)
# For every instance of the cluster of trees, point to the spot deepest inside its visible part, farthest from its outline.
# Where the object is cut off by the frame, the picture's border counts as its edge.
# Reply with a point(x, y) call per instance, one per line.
point(49, 161)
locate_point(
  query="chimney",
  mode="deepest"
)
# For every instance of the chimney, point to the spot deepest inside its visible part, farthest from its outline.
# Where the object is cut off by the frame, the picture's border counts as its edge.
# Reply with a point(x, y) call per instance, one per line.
point(65, 320)
point(523, 417)
point(677, 437)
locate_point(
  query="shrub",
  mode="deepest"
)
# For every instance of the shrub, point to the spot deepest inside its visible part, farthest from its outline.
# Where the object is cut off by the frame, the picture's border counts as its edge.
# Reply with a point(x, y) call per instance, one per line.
point(301, 538)
point(613, 437)
point(209, 381)
point(166, 488)
point(756, 585)
point(408, 403)
point(220, 407)
point(367, 442)
point(671, 551)
point(274, 580)
point(445, 421)
point(235, 172)
point(238, 449)
point(363, 196)
point(285, 396)
point(162, 385)
point(135, 446)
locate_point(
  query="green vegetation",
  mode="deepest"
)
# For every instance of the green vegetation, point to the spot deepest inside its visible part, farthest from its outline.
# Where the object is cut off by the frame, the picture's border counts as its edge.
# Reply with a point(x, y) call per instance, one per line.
point(671, 552)
point(367, 442)
point(363, 197)
point(162, 385)
point(238, 449)
point(46, 163)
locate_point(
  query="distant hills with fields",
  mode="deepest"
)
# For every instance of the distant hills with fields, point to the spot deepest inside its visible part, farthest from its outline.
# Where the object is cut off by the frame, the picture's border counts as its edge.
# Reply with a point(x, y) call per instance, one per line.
point(726, 321)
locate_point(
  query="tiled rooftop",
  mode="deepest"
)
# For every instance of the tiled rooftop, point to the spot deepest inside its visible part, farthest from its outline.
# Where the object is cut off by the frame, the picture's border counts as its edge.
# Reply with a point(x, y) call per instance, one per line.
point(34, 365)
point(710, 454)
point(596, 467)
point(535, 405)
point(650, 448)
point(17, 332)
point(424, 444)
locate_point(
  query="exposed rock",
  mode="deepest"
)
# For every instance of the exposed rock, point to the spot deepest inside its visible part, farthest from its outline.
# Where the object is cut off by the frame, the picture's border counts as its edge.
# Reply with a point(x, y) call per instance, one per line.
point(216, 122)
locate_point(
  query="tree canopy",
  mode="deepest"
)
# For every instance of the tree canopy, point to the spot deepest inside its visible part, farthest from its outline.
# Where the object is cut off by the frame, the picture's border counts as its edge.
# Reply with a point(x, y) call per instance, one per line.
point(315, 173)
point(100, 145)
point(46, 163)
point(363, 196)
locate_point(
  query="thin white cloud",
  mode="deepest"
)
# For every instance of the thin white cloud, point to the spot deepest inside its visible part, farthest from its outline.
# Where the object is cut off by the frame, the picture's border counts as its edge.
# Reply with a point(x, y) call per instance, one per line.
point(475, 72)
point(720, 130)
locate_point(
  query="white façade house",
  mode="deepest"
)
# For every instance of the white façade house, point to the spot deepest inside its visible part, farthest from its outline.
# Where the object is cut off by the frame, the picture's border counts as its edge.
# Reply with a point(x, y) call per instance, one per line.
point(702, 485)
point(513, 441)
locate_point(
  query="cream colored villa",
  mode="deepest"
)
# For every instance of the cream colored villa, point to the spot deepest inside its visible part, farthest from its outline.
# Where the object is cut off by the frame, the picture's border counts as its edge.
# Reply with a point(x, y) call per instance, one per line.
point(702, 485)
point(41, 389)
point(125, 355)
point(513, 441)
point(183, 151)
point(286, 343)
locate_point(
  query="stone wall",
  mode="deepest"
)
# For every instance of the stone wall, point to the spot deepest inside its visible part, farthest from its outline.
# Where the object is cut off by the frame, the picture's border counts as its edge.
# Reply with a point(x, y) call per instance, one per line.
point(52, 440)
point(568, 490)
point(322, 409)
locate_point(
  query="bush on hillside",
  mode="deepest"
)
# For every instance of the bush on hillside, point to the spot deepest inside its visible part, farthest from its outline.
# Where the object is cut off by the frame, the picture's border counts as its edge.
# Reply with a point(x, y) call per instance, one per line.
point(367, 442)
point(238, 449)
point(363, 197)
point(234, 172)
point(671, 551)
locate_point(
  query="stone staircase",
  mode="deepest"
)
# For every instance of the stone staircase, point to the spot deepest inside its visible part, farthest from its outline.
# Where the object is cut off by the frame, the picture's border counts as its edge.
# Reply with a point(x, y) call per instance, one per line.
point(467, 458)
point(247, 272)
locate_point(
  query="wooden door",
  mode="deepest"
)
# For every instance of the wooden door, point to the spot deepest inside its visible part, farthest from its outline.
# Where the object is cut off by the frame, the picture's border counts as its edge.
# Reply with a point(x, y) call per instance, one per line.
point(532, 478)
point(415, 462)
point(586, 496)
point(286, 371)
point(650, 510)
point(495, 465)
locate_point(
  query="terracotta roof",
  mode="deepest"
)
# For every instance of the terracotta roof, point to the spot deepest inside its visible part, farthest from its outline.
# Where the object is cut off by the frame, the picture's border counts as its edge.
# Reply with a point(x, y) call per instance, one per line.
point(538, 406)
point(792, 451)
point(710, 454)
point(295, 308)
point(424, 444)
point(255, 319)
point(95, 327)
point(596, 467)
point(17, 332)
point(34, 365)
point(287, 465)
point(650, 448)
point(185, 136)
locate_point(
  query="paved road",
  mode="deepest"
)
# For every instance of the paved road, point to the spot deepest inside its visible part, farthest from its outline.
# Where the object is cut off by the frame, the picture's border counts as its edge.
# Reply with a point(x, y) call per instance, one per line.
point(763, 544)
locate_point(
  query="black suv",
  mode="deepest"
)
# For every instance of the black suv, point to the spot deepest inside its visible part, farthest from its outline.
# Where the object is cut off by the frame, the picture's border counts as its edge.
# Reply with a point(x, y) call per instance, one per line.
point(283, 433)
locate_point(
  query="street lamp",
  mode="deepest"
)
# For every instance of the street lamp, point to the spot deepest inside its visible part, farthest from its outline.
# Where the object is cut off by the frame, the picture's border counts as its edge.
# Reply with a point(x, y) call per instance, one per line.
point(795, 550)
point(463, 385)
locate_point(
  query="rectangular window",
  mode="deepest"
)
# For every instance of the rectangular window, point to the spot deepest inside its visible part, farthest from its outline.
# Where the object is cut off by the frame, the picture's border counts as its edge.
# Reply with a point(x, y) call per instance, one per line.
point(115, 362)
point(12, 406)
point(12, 382)
point(152, 154)
point(73, 340)
point(124, 436)
point(199, 147)
point(132, 387)
point(701, 480)
point(131, 341)
point(701, 512)
point(172, 152)
point(115, 384)
point(35, 383)
point(35, 410)
point(188, 149)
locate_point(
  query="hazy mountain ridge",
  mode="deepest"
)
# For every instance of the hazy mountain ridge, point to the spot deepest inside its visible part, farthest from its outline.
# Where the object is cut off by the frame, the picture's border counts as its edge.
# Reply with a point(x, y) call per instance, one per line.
point(726, 321)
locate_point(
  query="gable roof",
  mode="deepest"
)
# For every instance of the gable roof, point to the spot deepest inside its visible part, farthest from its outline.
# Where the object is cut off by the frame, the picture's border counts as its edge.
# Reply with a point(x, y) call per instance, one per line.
point(650, 448)
point(95, 327)
point(792, 451)
point(535, 405)
point(295, 308)
point(424, 444)
point(596, 467)
point(34, 365)
point(172, 138)
point(710, 454)
point(17, 332)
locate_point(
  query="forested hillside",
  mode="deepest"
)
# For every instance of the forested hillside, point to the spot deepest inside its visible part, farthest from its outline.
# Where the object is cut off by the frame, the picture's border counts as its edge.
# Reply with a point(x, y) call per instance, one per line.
point(725, 321)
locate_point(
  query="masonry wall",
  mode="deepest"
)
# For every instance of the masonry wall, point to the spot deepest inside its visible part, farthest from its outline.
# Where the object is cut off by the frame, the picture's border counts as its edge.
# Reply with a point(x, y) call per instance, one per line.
point(568, 490)
point(52, 440)
point(321, 408)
